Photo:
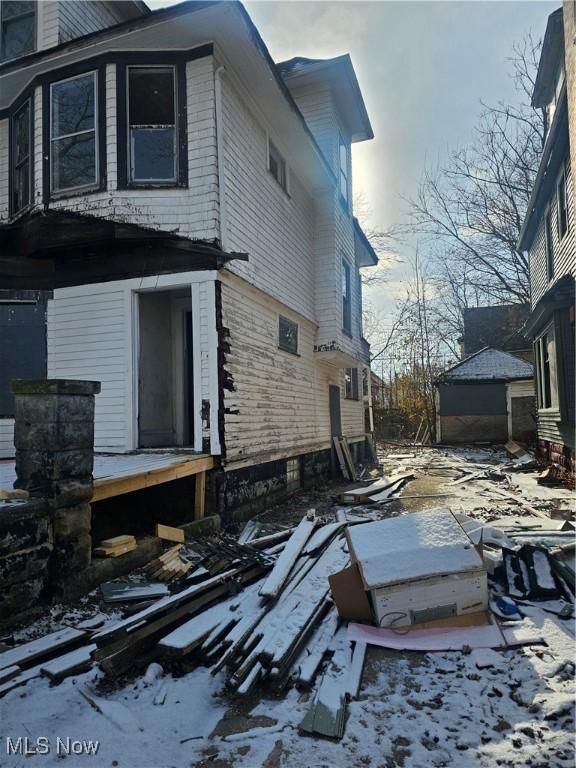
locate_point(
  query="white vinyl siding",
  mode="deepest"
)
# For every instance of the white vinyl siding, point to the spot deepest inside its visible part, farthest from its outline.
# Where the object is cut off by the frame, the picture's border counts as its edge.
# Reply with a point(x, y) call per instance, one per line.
point(7, 438)
point(92, 335)
point(279, 405)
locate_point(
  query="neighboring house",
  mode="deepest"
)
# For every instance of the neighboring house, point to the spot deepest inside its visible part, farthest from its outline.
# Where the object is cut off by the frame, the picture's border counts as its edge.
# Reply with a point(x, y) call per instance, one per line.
point(549, 236)
point(488, 398)
point(499, 327)
point(189, 203)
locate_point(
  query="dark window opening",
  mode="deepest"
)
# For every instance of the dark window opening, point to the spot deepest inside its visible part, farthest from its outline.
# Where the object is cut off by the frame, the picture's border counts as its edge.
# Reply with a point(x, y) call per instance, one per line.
point(287, 335)
point(22, 347)
point(346, 299)
point(21, 157)
point(549, 246)
point(351, 381)
point(73, 133)
point(562, 207)
point(277, 165)
point(152, 124)
point(18, 35)
point(343, 169)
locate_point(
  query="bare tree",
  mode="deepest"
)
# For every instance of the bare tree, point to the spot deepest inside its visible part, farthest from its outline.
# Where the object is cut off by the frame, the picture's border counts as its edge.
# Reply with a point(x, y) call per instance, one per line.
point(471, 208)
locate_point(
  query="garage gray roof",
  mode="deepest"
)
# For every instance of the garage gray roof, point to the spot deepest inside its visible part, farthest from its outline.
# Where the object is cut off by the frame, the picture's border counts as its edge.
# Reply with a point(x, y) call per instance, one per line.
point(490, 364)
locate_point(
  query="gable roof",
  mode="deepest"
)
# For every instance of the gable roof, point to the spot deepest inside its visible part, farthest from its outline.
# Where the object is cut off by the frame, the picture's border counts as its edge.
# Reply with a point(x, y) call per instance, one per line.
point(339, 72)
point(499, 327)
point(489, 365)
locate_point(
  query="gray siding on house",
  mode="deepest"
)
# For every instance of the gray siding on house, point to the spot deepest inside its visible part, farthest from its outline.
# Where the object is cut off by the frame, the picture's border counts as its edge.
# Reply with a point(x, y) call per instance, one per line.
point(476, 399)
point(81, 18)
point(564, 251)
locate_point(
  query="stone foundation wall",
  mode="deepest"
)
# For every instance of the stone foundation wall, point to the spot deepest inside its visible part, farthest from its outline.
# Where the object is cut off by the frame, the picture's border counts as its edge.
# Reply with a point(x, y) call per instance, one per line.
point(26, 546)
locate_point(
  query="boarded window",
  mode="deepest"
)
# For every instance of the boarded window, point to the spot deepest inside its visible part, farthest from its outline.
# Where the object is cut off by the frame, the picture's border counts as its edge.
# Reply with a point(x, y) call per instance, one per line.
point(277, 165)
point(22, 347)
point(21, 157)
point(343, 169)
point(562, 207)
point(351, 380)
point(287, 335)
point(346, 299)
point(152, 124)
point(18, 35)
point(73, 139)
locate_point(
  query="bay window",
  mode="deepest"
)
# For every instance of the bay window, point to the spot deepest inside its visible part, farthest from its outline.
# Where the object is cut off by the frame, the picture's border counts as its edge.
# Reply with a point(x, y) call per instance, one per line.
point(73, 135)
point(18, 33)
point(152, 124)
point(21, 136)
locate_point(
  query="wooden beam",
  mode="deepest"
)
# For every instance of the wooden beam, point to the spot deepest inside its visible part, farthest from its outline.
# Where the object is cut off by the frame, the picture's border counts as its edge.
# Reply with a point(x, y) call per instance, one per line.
point(200, 496)
point(108, 487)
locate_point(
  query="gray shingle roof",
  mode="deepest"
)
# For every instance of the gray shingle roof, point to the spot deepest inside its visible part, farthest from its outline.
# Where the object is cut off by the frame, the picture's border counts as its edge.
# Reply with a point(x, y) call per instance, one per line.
point(488, 364)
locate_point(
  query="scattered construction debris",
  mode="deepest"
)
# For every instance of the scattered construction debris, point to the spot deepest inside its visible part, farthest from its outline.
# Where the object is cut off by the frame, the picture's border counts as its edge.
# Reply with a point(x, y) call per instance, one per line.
point(116, 546)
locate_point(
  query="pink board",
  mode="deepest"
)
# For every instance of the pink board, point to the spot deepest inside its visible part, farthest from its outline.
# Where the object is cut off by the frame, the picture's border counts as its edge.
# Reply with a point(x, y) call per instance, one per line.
point(441, 638)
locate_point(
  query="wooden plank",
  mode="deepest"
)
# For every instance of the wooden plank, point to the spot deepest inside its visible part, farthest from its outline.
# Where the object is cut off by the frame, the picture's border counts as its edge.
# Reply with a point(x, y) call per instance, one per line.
point(199, 496)
point(113, 486)
point(116, 552)
point(8, 673)
point(117, 541)
point(168, 533)
point(43, 647)
point(348, 457)
point(341, 460)
point(276, 578)
point(69, 664)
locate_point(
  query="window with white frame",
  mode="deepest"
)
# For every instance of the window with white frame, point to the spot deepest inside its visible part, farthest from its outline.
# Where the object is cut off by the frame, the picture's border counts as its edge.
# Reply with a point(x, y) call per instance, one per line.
point(73, 135)
point(346, 298)
point(18, 33)
point(277, 166)
point(343, 169)
point(351, 383)
point(549, 244)
point(562, 205)
point(21, 147)
point(546, 370)
point(287, 335)
point(152, 124)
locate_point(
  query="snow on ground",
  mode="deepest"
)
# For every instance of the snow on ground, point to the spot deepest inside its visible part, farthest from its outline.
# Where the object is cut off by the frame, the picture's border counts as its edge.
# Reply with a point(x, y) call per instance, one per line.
point(414, 710)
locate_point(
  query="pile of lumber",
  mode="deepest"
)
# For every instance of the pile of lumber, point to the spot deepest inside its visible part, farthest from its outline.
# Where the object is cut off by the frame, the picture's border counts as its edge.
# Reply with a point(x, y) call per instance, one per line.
point(267, 620)
point(170, 565)
point(116, 546)
point(378, 491)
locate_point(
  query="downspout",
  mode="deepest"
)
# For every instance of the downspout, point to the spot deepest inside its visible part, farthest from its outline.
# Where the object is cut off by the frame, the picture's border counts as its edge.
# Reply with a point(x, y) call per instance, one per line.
point(220, 155)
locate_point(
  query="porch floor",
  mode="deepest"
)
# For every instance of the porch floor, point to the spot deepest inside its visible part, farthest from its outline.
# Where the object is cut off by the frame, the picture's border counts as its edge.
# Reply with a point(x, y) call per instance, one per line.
point(115, 474)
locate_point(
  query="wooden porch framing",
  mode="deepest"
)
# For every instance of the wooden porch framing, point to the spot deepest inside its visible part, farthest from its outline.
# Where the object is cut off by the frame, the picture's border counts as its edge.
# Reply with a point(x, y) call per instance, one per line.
point(115, 475)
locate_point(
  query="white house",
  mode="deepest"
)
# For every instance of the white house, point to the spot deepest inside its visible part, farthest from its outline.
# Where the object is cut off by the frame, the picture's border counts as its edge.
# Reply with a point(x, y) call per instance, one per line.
point(184, 206)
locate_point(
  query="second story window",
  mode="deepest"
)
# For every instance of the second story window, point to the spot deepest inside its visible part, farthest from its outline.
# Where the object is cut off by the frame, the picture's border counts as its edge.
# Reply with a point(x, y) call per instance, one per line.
point(152, 124)
point(343, 170)
point(21, 133)
point(277, 166)
point(562, 207)
point(549, 245)
point(18, 21)
point(346, 299)
point(73, 139)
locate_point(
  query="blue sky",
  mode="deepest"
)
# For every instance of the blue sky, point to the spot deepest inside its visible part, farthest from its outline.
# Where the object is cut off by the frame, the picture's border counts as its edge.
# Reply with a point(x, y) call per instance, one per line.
point(423, 68)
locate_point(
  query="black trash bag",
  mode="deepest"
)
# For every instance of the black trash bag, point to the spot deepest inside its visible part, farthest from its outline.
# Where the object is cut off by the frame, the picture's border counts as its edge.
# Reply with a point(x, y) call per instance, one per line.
point(529, 573)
